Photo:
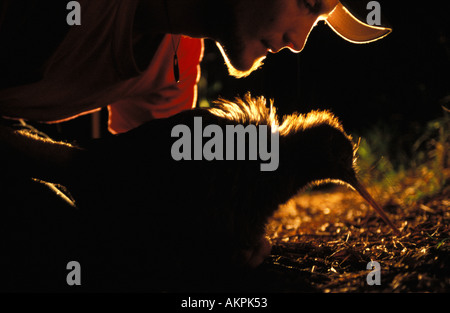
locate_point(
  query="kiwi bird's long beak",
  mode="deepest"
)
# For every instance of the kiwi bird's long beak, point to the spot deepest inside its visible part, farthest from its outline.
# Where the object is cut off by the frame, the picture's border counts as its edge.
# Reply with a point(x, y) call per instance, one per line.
point(366, 195)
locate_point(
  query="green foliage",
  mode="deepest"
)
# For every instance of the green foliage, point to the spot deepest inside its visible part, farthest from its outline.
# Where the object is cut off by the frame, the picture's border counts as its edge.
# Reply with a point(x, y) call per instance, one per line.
point(423, 171)
point(378, 154)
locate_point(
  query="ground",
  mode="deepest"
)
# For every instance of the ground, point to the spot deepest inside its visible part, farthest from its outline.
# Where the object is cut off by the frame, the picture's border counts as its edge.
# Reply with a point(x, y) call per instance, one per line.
point(324, 239)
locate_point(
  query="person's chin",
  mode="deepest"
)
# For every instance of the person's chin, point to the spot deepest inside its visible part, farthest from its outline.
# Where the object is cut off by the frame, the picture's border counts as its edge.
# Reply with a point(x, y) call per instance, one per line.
point(242, 64)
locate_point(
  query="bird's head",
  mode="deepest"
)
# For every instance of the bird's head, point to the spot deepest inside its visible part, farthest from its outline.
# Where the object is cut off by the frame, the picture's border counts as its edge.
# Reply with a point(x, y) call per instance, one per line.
point(320, 151)
point(318, 146)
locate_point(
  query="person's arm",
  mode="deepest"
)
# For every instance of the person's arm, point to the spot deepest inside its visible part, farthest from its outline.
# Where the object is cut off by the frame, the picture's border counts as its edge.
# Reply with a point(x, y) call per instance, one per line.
point(25, 154)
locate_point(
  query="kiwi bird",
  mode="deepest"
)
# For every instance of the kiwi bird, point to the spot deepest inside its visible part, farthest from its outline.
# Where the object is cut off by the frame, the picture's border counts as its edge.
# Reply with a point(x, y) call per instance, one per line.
point(142, 214)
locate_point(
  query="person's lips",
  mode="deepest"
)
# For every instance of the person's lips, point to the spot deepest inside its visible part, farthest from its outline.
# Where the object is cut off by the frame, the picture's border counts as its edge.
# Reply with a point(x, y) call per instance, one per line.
point(269, 46)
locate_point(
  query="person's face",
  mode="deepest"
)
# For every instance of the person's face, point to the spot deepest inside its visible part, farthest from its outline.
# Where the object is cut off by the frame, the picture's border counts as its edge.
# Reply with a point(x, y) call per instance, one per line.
point(262, 26)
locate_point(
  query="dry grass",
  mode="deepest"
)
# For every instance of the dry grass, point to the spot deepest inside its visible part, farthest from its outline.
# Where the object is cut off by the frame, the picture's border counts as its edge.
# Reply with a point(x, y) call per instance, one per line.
point(323, 241)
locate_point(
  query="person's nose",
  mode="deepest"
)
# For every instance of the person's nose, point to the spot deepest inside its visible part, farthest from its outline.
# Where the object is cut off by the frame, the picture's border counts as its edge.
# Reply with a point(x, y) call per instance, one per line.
point(296, 36)
point(294, 41)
